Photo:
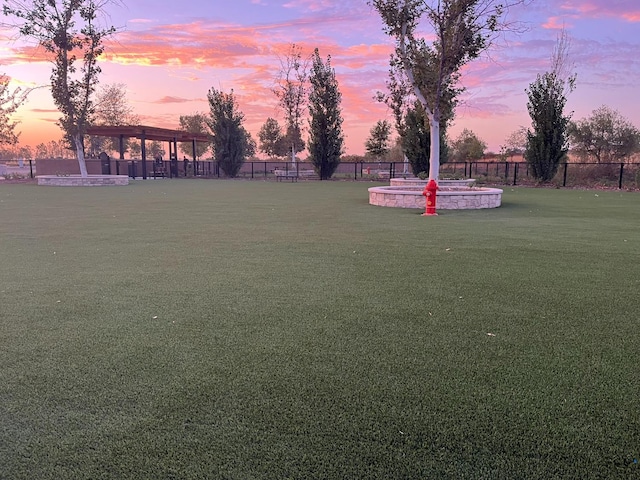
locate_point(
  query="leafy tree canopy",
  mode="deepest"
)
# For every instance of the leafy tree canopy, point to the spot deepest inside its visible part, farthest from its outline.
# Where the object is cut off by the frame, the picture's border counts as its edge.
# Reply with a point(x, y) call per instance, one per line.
point(9, 103)
point(605, 136)
point(377, 144)
point(460, 29)
point(195, 123)
point(272, 141)
point(468, 147)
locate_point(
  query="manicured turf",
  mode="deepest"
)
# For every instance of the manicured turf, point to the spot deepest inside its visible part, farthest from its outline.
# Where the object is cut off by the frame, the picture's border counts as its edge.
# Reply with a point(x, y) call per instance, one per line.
point(250, 330)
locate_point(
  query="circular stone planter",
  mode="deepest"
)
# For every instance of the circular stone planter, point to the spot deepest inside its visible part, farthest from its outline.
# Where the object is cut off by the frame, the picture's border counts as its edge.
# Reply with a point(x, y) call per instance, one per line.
point(414, 181)
point(448, 198)
point(79, 181)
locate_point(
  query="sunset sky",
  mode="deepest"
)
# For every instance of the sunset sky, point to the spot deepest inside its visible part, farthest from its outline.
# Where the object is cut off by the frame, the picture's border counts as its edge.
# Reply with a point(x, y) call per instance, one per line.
point(170, 53)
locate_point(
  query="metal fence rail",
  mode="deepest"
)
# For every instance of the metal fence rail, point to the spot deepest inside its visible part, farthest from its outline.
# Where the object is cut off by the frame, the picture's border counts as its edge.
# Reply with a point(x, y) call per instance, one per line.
point(609, 175)
point(620, 175)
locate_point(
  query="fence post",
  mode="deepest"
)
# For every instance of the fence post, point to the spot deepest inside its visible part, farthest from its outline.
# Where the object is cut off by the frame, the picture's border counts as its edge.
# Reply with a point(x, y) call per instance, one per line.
point(564, 176)
point(506, 173)
point(621, 172)
point(30, 168)
point(515, 173)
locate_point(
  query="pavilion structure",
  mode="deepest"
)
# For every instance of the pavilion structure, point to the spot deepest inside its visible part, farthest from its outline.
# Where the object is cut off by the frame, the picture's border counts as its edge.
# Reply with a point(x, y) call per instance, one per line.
point(144, 133)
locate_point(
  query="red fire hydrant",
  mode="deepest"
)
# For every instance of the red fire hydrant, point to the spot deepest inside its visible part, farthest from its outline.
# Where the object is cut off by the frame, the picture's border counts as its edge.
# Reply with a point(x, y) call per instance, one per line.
point(429, 193)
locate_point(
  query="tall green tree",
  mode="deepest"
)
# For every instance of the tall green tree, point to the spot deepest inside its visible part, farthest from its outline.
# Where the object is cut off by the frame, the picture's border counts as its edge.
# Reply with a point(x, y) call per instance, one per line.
point(377, 144)
point(461, 29)
point(69, 30)
point(195, 123)
point(325, 126)
point(547, 142)
point(231, 142)
point(605, 136)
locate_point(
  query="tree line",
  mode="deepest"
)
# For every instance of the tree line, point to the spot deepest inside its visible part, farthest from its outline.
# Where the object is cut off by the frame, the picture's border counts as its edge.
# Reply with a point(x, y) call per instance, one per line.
point(73, 32)
point(422, 92)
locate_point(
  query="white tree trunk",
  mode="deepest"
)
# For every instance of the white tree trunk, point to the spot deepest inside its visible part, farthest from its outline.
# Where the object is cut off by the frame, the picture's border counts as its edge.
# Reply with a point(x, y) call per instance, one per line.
point(293, 155)
point(434, 125)
point(80, 153)
point(434, 152)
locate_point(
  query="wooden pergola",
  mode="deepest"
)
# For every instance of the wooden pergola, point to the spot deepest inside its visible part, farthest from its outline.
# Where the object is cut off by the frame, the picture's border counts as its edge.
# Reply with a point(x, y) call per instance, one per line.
point(144, 133)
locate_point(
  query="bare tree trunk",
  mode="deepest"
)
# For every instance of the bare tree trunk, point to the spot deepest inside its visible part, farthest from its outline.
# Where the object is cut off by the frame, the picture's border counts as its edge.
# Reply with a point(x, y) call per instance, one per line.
point(293, 155)
point(80, 153)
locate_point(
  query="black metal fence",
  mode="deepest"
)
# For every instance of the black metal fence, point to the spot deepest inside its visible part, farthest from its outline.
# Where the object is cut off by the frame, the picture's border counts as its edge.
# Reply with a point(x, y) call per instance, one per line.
point(609, 175)
point(21, 169)
point(620, 175)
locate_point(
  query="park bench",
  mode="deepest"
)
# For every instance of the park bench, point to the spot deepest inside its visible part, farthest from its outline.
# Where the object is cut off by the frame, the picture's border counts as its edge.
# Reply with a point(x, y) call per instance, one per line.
point(294, 174)
point(308, 174)
point(286, 174)
point(158, 169)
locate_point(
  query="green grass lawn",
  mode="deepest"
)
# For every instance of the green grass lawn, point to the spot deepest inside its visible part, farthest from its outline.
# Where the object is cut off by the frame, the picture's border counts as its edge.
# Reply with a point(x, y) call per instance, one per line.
point(261, 330)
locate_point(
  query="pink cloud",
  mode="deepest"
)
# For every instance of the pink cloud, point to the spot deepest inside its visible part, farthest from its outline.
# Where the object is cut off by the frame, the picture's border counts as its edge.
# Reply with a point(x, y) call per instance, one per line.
point(170, 99)
point(622, 9)
point(555, 23)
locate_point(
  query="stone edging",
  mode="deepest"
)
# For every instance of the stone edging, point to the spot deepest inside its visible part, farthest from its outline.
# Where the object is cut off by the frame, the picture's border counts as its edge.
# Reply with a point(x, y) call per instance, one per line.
point(78, 181)
point(453, 199)
point(414, 181)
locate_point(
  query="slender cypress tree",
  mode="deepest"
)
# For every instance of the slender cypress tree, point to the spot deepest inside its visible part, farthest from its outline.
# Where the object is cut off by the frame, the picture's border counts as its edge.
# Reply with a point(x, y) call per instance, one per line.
point(325, 126)
point(547, 144)
point(231, 142)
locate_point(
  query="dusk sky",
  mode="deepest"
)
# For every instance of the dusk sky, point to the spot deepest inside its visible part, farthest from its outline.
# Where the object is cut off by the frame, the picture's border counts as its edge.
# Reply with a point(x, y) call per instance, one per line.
point(170, 53)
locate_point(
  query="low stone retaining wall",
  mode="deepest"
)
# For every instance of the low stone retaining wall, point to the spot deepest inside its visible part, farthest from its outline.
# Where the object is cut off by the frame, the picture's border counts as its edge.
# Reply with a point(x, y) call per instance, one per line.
point(446, 199)
point(78, 181)
point(413, 182)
